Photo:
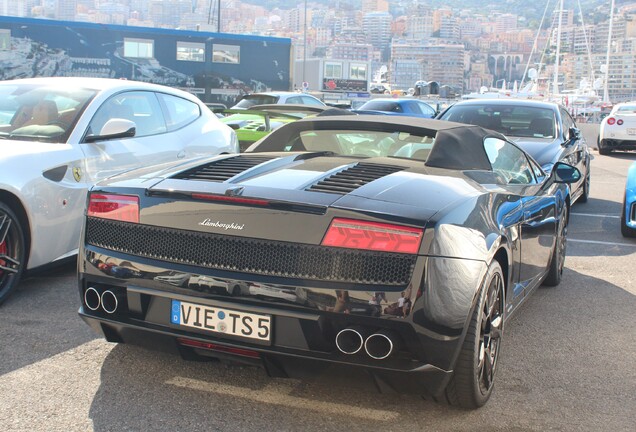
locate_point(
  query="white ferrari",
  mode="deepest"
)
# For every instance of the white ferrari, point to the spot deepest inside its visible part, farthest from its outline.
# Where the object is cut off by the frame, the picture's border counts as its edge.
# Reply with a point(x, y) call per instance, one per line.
point(58, 136)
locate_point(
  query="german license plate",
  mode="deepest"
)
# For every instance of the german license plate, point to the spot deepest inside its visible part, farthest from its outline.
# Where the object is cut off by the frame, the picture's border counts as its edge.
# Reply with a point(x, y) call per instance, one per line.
point(221, 320)
point(631, 131)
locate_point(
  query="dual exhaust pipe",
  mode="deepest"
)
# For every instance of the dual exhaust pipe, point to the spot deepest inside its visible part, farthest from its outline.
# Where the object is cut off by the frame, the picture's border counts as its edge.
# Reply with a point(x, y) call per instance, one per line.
point(107, 301)
point(378, 345)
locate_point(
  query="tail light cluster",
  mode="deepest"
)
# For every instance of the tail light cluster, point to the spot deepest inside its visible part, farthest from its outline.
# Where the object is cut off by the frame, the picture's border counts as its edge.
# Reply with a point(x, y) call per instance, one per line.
point(611, 121)
point(344, 233)
point(123, 208)
point(355, 234)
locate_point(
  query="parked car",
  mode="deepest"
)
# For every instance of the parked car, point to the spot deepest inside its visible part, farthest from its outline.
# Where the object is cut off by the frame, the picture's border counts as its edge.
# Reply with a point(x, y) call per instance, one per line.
point(618, 129)
point(543, 129)
point(405, 260)
point(397, 106)
point(60, 135)
point(628, 215)
point(270, 98)
point(258, 121)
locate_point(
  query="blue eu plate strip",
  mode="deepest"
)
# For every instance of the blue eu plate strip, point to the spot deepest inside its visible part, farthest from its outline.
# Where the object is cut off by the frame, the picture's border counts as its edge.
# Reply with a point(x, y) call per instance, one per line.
point(175, 313)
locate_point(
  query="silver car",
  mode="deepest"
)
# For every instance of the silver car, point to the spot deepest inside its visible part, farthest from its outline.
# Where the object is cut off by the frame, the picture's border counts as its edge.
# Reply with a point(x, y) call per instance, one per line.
point(58, 136)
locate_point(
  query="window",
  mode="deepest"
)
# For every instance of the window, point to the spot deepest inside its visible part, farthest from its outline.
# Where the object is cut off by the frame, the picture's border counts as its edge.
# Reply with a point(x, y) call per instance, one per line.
point(181, 112)
point(333, 70)
point(139, 48)
point(508, 161)
point(140, 107)
point(358, 71)
point(190, 51)
point(5, 40)
point(306, 100)
point(426, 108)
point(226, 54)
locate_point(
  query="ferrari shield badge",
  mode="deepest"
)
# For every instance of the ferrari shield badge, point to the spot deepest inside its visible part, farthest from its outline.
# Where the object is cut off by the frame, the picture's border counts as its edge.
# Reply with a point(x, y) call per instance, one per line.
point(77, 174)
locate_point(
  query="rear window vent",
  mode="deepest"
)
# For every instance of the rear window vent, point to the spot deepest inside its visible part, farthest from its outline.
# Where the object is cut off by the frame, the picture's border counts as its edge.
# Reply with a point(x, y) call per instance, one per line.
point(223, 169)
point(352, 178)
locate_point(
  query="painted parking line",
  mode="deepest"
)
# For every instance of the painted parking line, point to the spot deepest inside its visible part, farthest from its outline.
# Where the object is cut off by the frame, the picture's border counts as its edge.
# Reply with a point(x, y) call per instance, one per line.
point(596, 215)
point(278, 394)
point(570, 240)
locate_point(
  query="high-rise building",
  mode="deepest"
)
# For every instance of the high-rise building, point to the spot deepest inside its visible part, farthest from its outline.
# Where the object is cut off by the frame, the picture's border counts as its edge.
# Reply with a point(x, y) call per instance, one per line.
point(506, 23)
point(66, 10)
point(13, 8)
point(377, 27)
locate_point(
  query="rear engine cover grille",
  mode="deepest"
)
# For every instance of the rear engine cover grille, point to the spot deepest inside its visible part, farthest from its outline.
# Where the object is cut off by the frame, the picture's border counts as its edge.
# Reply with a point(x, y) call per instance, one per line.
point(255, 256)
point(223, 169)
point(352, 178)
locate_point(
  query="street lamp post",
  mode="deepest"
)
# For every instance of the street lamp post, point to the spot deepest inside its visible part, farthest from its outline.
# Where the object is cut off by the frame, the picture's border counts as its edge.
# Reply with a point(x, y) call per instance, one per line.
point(607, 59)
point(305, 42)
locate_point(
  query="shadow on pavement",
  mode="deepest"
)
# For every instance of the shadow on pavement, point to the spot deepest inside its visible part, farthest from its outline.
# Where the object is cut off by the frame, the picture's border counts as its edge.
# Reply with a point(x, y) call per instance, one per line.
point(40, 319)
point(559, 370)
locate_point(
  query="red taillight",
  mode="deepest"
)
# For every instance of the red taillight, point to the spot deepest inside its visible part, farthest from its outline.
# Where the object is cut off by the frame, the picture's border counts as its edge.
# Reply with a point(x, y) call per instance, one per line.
point(230, 199)
point(117, 207)
point(220, 348)
point(355, 234)
point(619, 122)
point(611, 121)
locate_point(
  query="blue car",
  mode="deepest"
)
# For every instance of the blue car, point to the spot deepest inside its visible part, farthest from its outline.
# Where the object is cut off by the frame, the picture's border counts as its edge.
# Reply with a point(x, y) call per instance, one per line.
point(397, 106)
point(628, 217)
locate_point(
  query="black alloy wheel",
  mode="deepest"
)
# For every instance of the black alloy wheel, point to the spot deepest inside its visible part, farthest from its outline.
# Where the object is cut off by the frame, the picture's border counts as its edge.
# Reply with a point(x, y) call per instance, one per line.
point(557, 262)
point(473, 379)
point(11, 252)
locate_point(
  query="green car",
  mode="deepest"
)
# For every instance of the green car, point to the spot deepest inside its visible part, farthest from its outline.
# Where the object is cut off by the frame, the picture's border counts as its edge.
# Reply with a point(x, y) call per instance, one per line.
point(257, 122)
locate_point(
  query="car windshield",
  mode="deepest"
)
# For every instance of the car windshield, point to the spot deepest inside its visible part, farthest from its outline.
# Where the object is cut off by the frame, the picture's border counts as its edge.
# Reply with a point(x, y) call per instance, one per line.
point(251, 100)
point(357, 143)
point(32, 112)
point(510, 120)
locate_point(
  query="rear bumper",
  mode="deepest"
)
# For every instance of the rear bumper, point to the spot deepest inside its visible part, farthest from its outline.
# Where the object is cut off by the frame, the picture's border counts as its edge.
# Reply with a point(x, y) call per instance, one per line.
point(618, 143)
point(399, 375)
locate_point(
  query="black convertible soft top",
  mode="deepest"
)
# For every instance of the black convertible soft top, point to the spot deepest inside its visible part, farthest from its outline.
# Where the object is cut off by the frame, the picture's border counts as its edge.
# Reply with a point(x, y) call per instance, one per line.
point(457, 146)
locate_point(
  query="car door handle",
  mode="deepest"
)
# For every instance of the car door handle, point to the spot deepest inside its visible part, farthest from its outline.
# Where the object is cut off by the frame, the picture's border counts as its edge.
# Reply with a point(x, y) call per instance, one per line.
point(181, 154)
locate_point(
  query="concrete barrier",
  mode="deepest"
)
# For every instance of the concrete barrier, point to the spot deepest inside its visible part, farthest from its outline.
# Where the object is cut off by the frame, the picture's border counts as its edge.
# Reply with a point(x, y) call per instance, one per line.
point(590, 133)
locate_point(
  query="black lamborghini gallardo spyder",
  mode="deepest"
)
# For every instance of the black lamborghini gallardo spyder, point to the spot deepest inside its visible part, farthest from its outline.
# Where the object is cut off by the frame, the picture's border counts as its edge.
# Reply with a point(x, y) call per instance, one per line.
point(397, 245)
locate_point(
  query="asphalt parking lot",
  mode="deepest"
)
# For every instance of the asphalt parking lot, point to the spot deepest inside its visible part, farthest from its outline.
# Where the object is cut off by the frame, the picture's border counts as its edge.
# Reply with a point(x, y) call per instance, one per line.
point(568, 361)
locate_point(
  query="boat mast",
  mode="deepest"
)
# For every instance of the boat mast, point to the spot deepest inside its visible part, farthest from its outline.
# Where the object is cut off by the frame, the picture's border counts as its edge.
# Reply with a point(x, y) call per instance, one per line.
point(607, 59)
point(555, 88)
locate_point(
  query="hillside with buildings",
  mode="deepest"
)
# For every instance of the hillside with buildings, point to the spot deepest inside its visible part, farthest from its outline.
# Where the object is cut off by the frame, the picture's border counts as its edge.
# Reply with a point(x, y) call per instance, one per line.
point(459, 43)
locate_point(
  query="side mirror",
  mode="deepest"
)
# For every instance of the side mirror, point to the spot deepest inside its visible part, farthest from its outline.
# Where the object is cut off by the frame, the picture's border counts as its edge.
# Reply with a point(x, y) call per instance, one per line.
point(113, 129)
point(564, 173)
point(574, 133)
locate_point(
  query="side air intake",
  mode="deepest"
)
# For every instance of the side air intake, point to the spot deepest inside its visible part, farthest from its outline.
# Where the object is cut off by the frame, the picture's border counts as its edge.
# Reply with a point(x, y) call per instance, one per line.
point(223, 169)
point(352, 178)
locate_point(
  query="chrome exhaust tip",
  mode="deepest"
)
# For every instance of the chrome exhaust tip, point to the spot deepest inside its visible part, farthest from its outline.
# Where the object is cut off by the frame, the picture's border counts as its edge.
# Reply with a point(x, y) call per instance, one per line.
point(382, 344)
point(350, 340)
point(109, 302)
point(92, 299)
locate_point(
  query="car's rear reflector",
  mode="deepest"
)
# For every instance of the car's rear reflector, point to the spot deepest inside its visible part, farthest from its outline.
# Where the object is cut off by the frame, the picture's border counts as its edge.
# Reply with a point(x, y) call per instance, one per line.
point(123, 208)
point(230, 199)
point(619, 122)
point(220, 348)
point(355, 234)
point(611, 121)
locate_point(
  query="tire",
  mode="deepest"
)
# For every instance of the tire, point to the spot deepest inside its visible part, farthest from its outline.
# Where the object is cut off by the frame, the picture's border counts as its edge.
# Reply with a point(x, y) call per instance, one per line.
point(473, 378)
point(603, 150)
point(557, 262)
point(625, 230)
point(586, 187)
point(12, 252)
